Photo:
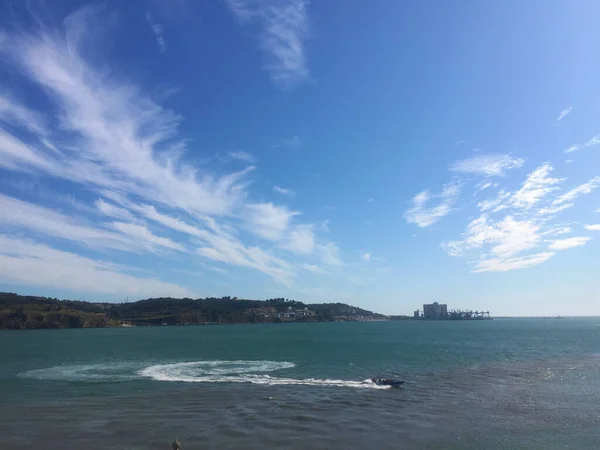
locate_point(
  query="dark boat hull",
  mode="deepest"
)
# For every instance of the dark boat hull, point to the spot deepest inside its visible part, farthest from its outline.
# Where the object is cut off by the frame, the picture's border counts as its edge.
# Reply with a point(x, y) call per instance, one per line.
point(387, 382)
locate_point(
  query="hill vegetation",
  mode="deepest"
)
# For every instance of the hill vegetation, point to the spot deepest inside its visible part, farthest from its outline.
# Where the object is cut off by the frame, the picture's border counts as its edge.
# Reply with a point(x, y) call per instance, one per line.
point(29, 312)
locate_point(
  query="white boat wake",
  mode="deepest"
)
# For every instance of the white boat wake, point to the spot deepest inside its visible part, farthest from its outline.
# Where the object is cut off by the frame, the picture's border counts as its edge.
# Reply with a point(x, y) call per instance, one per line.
point(240, 371)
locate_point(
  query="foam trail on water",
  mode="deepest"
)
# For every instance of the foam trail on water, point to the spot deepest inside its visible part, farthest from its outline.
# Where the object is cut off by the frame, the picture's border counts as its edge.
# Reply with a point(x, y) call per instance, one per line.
point(110, 372)
point(238, 371)
point(230, 372)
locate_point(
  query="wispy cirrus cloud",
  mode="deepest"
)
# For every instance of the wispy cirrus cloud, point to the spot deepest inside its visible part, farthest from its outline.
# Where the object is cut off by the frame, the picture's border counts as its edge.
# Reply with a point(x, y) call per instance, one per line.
point(536, 186)
point(366, 256)
point(515, 240)
point(241, 156)
point(549, 210)
point(25, 262)
point(423, 215)
point(99, 131)
point(120, 138)
point(507, 264)
point(300, 240)
point(506, 238)
point(283, 191)
point(112, 210)
point(557, 231)
point(27, 216)
point(564, 244)
point(582, 189)
point(267, 220)
point(595, 140)
point(13, 111)
point(219, 244)
point(284, 29)
point(293, 142)
point(141, 234)
point(564, 113)
point(158, 30)
point(316, 269)
point(487, 165)
point(595, 227)
point(330, 254)
point(496, 204)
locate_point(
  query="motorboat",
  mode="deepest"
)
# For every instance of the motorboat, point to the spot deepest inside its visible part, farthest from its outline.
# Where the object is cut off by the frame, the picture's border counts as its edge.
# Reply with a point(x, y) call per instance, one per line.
point(381, 381)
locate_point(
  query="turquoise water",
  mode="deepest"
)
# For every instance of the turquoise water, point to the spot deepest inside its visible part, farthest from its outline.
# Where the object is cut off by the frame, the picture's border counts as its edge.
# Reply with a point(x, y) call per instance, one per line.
point(482, 384)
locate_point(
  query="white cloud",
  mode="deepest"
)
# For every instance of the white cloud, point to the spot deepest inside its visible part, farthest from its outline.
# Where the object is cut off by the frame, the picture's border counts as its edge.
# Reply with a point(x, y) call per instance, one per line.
point(144, 236)
point(111, 210)
point(595, 140)
point(563, 244)
point(330, 254)
point(504, 265)
point(508, 236)
point(102, 132)
point(150, 212)
point(564, 113)
point(424, 216)
point(27, 216)
point(159, 31)
point(128, 236)
point(294, 141)
point(220, 245)
point(267, 220)
point(111, 138)
point(513, 242)
point(14, 113)
point(119, 138)
point(484, 185)
point(300, 240)
point(582, 189)
point(32, 264)
point(242, 156)
point(554, 209)
point(557, 231)
point(537, 185)
point(487, 165)
point(15, 155)
point(371, 200)
point(595, 227)
point(504, 239)
point(283, 191)
point(495, 204)
point(366, 256)
point(572, 148)
point(219, 270)
point(315, 269)
point(536, 188)
point(229, 251)
point(284, 28)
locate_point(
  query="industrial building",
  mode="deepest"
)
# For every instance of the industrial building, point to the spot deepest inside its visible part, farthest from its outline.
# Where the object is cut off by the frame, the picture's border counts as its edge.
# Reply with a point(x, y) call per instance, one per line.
point(435, 311)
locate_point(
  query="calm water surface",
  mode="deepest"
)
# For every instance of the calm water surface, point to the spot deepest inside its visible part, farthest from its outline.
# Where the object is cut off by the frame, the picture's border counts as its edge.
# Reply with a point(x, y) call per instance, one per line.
point(502, 384)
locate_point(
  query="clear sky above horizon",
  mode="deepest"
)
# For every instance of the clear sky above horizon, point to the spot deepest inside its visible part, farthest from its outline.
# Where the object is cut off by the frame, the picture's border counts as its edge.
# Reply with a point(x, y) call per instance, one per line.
point(383, 154)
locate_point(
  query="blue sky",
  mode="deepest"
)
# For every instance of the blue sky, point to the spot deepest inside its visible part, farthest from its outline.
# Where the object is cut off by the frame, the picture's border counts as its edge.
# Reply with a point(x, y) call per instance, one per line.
point(379, 153)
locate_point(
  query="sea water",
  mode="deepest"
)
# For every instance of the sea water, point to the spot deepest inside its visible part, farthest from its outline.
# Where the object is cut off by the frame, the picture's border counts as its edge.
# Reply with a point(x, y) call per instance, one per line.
point(502, 384)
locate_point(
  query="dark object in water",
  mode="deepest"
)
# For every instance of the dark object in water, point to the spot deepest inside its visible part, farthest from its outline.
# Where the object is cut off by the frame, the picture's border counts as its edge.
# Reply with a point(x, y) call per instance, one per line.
point(387, 382)
point(176, 445)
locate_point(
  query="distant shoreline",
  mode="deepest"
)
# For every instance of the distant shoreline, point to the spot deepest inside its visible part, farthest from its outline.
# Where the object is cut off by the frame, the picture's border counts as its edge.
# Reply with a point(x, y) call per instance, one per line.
point(20, 312)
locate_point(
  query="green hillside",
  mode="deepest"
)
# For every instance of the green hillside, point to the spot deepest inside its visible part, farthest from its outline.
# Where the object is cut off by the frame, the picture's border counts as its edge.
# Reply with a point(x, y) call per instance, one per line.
point(29, 312)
